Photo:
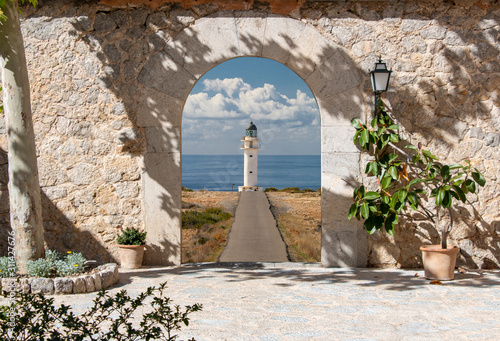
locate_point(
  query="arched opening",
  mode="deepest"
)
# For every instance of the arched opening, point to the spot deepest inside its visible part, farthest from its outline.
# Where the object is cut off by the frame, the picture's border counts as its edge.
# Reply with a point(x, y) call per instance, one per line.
point(170, 74)
point(219, 107)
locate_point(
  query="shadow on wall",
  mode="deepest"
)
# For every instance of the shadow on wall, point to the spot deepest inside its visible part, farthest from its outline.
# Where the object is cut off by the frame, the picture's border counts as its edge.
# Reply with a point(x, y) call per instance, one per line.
point(140, 63)
point(60, 232)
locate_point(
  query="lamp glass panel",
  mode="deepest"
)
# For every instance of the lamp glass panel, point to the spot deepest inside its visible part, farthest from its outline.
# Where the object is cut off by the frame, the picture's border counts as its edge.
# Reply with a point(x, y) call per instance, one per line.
point(380, 81)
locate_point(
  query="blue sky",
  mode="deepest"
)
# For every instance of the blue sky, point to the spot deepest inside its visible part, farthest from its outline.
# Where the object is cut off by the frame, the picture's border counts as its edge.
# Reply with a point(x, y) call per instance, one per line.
point(228, 97)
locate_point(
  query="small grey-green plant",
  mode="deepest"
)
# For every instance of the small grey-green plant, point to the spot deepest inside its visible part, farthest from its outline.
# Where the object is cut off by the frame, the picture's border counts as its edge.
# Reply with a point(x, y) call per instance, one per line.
point(8, 267)
point(40, 268)
point(72, 264)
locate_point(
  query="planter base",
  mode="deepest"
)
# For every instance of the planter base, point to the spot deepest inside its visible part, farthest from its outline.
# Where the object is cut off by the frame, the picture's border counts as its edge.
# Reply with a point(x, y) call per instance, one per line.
point(131, 256)
point(439, 263)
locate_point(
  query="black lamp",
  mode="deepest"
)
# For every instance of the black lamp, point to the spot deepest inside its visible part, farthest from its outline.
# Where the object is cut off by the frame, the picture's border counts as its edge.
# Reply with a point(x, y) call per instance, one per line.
point(380, 80)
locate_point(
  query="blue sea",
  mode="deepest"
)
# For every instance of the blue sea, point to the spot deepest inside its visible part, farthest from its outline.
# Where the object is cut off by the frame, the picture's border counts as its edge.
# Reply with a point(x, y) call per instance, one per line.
point(225, 172)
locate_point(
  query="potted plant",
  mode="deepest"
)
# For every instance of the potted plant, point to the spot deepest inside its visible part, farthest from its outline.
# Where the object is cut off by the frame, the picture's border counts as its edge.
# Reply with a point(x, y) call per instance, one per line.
point(131, 242)
point(414, 179)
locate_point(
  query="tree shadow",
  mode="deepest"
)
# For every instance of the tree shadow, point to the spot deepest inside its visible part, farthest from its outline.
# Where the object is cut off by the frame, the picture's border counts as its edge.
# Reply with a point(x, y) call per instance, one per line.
point(141, 51)
point(389, 280)
point(60, 233)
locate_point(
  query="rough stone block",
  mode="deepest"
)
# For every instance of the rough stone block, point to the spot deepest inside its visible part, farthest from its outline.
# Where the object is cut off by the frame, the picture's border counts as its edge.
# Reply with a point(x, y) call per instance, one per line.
point(492, 139)
point(211, 42)
point(344, 245)
point(337, 74)
point(21, 284)
point(161, 73)
point(338, 139)
point(63, 285)
point(162, 139)
point(89, 283)
point(42, 286)
point(280, 37)
point(158, 109)
point(251, 32)
point(78, 285)
point(385, 254)
point(339, 110)
point(97, 281)
point(107, 278)
point(314, 49)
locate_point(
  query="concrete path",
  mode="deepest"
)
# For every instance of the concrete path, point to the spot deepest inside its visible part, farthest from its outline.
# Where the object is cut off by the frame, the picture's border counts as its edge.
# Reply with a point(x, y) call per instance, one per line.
point(302, 301)
point(254, 236)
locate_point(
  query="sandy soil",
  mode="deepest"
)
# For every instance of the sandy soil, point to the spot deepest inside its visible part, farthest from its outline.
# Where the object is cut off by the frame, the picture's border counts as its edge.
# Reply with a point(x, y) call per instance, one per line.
point(298, 216)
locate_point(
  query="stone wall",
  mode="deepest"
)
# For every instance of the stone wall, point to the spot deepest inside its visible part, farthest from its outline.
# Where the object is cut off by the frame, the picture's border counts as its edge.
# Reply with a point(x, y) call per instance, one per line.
point(108, 127)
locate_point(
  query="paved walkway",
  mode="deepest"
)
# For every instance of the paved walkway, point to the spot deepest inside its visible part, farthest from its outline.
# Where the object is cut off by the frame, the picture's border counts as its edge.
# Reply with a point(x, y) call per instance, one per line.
point(254, 236)
point(297, 301)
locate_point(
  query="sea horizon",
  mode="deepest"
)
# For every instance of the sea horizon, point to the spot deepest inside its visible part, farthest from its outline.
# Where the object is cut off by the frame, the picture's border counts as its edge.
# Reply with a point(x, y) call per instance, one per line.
point(225, 172)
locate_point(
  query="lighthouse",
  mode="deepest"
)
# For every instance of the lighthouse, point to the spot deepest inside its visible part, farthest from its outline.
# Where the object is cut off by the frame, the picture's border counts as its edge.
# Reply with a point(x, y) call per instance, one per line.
point(250, 148)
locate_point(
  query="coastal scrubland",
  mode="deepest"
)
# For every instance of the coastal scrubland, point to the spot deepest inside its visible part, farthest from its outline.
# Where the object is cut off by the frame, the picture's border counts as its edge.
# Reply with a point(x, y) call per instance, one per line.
point(208, 216)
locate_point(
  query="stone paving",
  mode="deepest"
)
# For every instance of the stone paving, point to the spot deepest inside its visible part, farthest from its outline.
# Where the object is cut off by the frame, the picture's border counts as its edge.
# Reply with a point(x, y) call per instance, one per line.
point(299, 301)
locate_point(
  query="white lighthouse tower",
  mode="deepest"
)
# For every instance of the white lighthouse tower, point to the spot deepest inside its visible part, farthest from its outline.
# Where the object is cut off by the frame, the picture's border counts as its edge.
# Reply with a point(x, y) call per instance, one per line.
point(250, 147)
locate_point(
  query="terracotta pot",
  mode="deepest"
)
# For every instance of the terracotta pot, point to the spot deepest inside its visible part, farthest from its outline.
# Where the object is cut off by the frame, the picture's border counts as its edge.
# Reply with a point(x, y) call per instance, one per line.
point(131, 256)
point(439, 263)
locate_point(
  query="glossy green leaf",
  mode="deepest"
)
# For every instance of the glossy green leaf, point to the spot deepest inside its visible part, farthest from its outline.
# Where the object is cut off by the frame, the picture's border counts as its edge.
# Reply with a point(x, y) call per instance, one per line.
point(447, 199)
point(365, 137)
point(411, 147)
point(394, 138)
point(413, 199)
point(471, 185)
point(353, 211)
point(460, 193)
point(356, 123)
point(479, 178)
point(365, 210)
point(386, 181)
point(372, 195)
point(429, 154)
point(393, 172)
point(445, 173)
point(416, 181)
point(440, 196)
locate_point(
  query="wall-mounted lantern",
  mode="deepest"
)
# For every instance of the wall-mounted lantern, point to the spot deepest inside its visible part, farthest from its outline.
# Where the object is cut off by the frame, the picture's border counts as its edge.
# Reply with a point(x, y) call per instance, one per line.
point(380, 77)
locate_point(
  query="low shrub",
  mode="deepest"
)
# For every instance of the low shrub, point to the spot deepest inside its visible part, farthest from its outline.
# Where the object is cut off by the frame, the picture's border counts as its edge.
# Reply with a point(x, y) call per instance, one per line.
point(196, 219)
point(73, 263)
point(41, 268)
point(34, 317)
point(54, 264)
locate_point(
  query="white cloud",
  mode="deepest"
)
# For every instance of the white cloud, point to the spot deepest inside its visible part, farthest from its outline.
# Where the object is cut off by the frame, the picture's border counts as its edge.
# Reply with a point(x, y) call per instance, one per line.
point(225, 107)
point(233, 98)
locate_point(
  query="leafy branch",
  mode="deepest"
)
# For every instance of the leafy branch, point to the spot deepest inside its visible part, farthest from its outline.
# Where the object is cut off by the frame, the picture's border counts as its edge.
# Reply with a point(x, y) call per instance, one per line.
point(405, 180)
point(3, 3)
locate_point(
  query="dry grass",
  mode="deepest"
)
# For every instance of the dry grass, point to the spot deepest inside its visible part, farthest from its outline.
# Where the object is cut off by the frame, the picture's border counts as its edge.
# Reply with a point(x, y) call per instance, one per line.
point(299, 220)
point(204, 244)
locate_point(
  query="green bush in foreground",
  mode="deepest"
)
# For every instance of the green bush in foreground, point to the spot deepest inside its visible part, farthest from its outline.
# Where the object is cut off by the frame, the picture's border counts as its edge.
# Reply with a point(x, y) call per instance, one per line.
point(35, 318)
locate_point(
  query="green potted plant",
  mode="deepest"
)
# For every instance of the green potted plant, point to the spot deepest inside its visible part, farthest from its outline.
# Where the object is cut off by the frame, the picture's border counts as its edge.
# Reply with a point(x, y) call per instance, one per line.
point(131, 242)
point(410, 178)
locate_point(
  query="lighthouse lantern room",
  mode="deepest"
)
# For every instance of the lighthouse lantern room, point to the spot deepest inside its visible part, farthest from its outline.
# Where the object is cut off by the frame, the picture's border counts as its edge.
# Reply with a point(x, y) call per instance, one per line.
point(250, 148)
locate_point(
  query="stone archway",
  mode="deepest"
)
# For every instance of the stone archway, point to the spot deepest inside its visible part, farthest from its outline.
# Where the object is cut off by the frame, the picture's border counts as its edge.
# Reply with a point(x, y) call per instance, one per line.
point(171, 72)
